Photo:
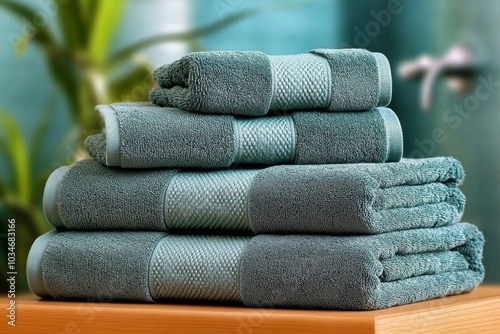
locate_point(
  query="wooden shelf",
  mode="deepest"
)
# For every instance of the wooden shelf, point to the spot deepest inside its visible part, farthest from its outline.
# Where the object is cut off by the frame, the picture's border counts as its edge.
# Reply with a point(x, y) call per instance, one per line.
point(475, 312)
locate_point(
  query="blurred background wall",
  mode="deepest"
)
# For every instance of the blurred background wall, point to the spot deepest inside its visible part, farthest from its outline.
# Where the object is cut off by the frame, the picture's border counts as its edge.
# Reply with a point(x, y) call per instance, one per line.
point(59, 58)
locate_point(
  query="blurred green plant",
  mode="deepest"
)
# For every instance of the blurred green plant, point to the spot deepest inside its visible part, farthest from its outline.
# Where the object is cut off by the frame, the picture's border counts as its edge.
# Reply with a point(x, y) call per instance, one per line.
point(86, 72)
point(20, 193)
point(82, 65)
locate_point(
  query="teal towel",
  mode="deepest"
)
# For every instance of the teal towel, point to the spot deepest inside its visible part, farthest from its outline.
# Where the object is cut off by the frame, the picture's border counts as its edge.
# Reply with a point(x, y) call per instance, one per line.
point(139, 135)
point(354, 198)
point(251, 83)
point(320, 272)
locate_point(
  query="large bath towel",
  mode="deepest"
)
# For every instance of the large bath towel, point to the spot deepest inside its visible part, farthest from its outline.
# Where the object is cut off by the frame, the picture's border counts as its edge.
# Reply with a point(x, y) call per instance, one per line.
point(353, 198)
point(251, 83)
point(139, 135)
point(327, 272)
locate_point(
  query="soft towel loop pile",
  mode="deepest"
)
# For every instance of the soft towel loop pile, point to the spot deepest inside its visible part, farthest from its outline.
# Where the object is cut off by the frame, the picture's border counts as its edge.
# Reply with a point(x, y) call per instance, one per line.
point(331, 272)
point(139, 135)
point(311, 206)
point(252, 83)
point(352, 198)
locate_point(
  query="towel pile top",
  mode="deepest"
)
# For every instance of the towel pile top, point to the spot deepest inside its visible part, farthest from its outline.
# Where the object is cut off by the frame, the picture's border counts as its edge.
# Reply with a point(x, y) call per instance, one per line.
point(252, 83)
point(203, 196)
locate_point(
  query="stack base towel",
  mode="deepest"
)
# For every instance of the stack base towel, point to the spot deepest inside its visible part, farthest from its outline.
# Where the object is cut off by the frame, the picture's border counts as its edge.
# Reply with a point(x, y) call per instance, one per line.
point(331, 199)
point(251, 83)
point(140, 135)
point(323, 272)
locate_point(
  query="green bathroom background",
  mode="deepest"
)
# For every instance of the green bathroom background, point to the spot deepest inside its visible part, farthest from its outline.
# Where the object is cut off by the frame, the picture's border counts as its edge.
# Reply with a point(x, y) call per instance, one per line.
point(60, 58)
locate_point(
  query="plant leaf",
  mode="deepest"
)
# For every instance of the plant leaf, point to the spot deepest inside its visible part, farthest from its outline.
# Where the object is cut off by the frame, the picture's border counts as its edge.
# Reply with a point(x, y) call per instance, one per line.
point(105, 24)
point(18, 156)
point(5, 188)
point(40, 132)
point(134, 85)
point(88, 9)
point(126, 53)
point(65, 74)
point(71, 24)
point(36, 32)
point(68, 140)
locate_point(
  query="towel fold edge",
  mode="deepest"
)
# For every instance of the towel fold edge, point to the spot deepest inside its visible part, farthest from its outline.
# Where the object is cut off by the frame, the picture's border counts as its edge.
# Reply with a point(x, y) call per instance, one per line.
point(380, 294)
point(394, 134)
point(34, 269)
point(111, 131)
point(51, 196)
point(385, 79)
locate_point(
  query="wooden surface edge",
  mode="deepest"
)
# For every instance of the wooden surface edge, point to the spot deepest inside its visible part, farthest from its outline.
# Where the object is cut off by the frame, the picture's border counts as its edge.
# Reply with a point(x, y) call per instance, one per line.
point(482, 316)
point(468, 313)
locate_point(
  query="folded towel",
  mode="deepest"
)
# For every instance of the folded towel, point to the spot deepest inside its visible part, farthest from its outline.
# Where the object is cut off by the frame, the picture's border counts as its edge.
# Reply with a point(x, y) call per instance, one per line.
point(251, 83)
point(354, 198)
point(139, 135)
point(333, 272)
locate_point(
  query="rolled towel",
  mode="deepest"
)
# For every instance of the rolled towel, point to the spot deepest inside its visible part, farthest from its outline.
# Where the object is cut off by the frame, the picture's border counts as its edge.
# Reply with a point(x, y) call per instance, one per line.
point(355, 198)
point(330, 272)
point(251, 83)
point(139, 135)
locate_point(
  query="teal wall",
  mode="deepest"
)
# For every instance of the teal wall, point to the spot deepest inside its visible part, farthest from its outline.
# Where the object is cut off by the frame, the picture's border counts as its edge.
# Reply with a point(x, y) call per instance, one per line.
point(296, 29)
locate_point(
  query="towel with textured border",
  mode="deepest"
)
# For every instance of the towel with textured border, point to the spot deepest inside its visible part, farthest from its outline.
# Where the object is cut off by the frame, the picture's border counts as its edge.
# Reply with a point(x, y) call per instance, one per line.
point(353, 198)
point(140, 135)
point(251, 83)
point(305, 271)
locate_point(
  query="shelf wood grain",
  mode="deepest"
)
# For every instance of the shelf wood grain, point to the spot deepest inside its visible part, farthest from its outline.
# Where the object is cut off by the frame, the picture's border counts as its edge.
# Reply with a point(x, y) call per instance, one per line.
point(475, 312)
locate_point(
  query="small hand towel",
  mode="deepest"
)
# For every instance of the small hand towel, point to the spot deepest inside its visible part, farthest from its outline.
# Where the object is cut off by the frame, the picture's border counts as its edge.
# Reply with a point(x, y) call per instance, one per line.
point(251, 83)
point(139, 135)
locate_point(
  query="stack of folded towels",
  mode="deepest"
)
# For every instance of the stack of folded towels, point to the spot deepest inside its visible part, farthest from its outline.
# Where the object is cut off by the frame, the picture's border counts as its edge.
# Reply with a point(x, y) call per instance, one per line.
point(207, 195)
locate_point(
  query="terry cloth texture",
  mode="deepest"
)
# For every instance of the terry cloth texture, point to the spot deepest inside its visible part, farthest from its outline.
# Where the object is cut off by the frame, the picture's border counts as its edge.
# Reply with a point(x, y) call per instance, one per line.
point(140, 135)
point(361, 272)
point(104, 266)
point(332, 199)
point(251, 83)
point(330, 272)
